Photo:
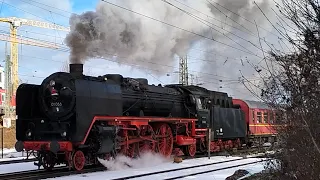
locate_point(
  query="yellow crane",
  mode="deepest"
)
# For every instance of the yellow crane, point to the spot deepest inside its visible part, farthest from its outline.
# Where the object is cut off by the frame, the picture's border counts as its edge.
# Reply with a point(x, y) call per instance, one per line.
point(28, 41)
point(14, 24)
point(14, 40)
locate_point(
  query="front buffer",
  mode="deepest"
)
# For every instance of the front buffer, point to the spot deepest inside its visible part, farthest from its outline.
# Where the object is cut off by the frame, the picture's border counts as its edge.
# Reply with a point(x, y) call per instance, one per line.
point(48, 153)
point(74, 155)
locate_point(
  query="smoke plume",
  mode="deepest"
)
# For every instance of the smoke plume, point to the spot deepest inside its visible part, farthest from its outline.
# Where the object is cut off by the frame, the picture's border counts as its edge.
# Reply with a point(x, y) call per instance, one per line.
point(239, 21)
point(147, 159)
point(110, 32)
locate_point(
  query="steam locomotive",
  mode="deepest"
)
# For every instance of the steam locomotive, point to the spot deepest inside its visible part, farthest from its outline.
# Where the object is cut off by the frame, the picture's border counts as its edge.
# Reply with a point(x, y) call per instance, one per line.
point(72, 119)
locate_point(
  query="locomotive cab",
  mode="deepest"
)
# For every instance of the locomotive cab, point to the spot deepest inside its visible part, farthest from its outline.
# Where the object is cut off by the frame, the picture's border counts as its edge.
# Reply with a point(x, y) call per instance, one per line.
point(203, 113)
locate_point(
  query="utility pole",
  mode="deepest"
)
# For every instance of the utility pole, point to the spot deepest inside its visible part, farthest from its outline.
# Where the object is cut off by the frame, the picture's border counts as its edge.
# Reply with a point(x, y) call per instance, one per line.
point(191, 79)
point(8, 84)
point(2, 131)
point(183, 70)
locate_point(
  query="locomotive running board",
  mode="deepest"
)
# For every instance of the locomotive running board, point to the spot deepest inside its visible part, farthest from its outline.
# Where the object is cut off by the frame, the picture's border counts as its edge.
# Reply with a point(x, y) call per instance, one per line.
point(114, 120)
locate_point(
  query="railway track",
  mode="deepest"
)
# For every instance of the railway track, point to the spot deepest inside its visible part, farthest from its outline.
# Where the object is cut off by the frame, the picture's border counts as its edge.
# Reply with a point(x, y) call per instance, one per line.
point(17, 161)
point(64, 171)
point(176, 170)
point(213, 170)
point(239, 152)
point(42, 174)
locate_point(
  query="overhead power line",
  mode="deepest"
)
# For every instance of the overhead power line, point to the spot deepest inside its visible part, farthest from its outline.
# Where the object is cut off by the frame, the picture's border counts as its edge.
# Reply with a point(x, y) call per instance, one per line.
point(169, 25)
point(217, 54)
point(207, 23)
point(177, 27)
point(234, 27)
point(229, 58)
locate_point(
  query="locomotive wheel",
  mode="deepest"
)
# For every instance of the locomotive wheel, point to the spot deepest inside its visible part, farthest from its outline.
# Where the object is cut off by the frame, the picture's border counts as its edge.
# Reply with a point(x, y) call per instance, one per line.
point(202, 145)
point(123, 136)
point(146, 145)
point(191, 150)
point(237, 143)
point(131, 149)
point(165, 139)
point(48, 160)
point(107, 156)
point(78, 160)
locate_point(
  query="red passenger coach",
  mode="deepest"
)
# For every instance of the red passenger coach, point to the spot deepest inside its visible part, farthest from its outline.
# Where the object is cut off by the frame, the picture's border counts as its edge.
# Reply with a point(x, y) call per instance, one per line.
point(260, 120)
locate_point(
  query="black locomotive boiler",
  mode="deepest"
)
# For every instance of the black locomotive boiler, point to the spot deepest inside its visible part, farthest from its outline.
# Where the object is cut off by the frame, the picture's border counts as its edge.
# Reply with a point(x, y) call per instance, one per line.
point(72, 118)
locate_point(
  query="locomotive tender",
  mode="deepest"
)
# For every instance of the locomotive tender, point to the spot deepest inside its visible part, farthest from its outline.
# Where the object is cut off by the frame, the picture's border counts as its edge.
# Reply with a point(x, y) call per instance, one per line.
point(72, 118)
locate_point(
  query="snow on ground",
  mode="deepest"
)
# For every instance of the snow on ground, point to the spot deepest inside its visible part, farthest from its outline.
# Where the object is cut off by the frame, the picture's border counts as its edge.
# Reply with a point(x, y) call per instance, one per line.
point(11, 153)
point(197, 170)
point(154, 163)
point(16, 167)
point(15, 158)
point(223, 174)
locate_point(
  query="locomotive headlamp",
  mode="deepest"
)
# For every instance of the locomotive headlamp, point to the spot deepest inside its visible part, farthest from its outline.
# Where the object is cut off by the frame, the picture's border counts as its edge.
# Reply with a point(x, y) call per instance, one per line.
point(64, 134)
point(52, 83)
point(28, 133)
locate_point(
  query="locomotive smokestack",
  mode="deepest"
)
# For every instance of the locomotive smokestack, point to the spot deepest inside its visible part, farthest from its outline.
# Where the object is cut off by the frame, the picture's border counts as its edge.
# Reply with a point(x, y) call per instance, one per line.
point(76, 70)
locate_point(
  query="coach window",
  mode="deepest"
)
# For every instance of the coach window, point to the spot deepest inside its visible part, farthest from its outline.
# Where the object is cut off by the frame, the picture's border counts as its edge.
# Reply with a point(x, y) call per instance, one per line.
point(271, 117)
point(277, 118)
point(259, 117)
point(265, 117)
point(253, 116)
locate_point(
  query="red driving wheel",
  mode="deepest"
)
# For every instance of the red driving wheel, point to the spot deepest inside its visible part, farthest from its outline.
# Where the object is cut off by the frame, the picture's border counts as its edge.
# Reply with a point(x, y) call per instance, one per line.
point(78, 160)
point(165, 139)
point(191, 149)
point(146, 145)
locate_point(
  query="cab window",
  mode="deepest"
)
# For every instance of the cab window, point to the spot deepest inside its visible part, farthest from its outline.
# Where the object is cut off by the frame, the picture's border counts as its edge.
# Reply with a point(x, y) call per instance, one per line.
point(199, 103)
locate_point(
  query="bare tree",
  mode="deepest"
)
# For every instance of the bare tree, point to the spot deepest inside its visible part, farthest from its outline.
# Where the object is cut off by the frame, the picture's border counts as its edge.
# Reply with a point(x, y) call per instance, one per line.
point(292, 89)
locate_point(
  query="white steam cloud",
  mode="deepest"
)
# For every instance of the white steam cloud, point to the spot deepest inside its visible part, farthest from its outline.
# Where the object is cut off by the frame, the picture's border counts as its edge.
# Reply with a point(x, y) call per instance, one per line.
point(110, 32)
point(147, 159)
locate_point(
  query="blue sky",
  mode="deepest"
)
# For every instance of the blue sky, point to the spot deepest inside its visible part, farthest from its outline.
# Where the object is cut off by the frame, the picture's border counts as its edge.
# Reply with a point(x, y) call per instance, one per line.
point(82, 5)
point(35, 63)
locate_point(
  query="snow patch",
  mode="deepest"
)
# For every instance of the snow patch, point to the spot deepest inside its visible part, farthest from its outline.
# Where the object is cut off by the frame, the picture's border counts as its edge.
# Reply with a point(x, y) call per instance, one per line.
point(147, 159)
